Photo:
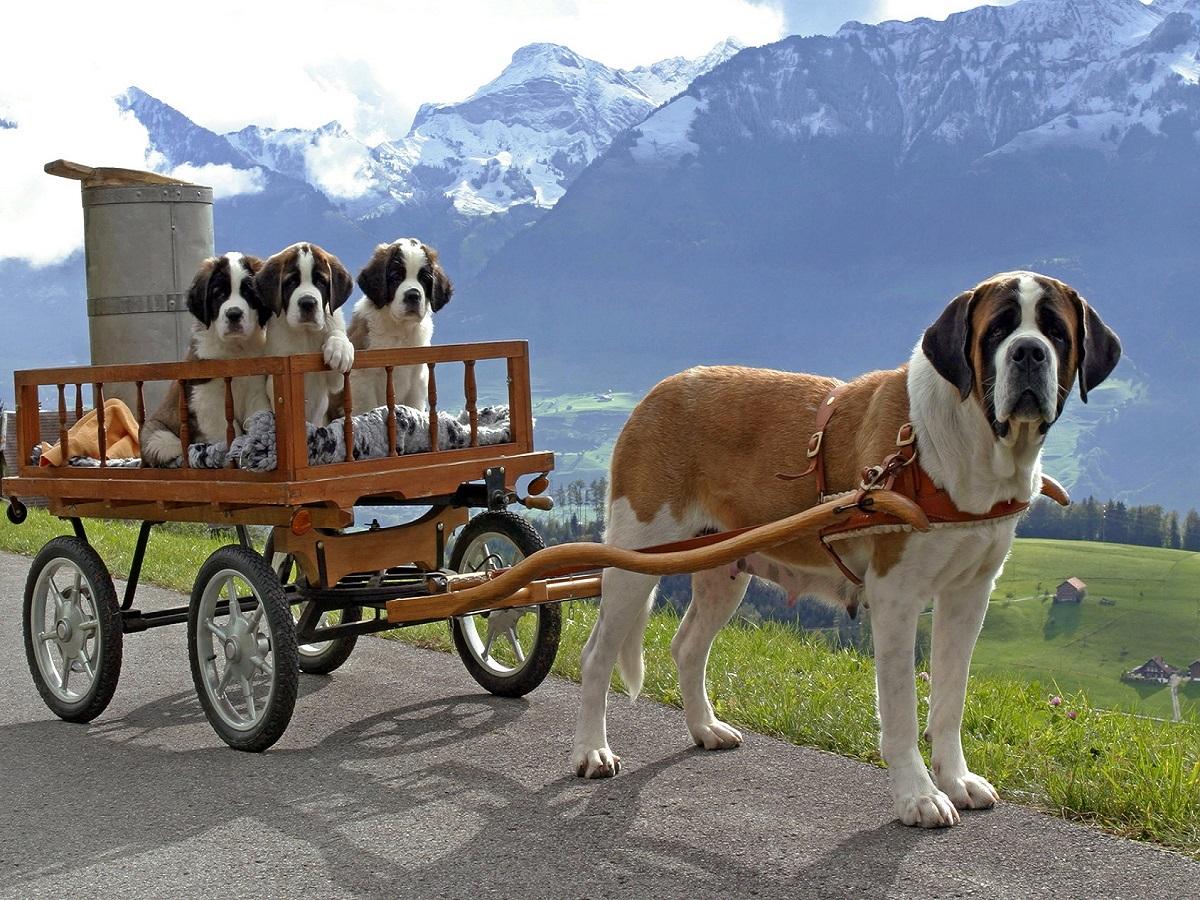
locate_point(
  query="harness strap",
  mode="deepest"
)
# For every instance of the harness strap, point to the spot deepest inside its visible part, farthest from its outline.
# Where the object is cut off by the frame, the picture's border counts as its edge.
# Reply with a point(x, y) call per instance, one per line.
point(898, 473)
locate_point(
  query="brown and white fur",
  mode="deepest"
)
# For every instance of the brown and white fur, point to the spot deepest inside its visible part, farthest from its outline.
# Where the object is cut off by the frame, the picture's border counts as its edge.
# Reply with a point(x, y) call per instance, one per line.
point(981, 388)
point(305, 287)
point(403, 286)
point(230, 323)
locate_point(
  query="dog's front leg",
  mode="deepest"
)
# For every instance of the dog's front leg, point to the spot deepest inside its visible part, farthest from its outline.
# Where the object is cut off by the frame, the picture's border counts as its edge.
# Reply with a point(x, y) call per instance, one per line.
point(957, 619)
point(894, 631)
point(337, 349)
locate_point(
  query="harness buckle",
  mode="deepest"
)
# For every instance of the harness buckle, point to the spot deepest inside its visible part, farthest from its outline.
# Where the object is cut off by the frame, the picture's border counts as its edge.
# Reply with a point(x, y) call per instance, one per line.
point(814, 443)
point(906, 435)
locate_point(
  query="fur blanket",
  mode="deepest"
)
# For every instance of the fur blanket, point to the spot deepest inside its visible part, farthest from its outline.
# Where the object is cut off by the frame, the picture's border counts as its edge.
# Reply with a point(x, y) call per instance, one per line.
point(255, 450)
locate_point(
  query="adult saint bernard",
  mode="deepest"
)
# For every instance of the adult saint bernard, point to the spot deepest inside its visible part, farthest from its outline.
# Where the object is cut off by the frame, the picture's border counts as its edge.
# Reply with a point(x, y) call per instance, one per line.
point(980, 391)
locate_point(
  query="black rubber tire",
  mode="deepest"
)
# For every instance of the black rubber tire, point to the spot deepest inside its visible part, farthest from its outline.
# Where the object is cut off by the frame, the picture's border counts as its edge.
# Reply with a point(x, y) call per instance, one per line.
point(541, 658)
point(278, 618)
point(333, 653)
point(110, 632)
point(17, 512)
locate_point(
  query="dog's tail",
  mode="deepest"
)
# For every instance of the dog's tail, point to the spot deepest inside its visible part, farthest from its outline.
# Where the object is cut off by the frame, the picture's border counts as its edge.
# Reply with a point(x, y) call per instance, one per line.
point(630, 661)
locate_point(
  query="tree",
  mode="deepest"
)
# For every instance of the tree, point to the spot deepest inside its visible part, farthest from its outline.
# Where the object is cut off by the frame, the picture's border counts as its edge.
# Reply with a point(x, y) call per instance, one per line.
point(1190, 539)
point(1171, 535)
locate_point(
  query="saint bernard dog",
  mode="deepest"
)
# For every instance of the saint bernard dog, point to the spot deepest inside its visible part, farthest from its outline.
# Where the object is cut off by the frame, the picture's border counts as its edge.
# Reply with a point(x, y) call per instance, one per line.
point(305, 286)
point(403, 286)
point(231, 319)
point(981, 388)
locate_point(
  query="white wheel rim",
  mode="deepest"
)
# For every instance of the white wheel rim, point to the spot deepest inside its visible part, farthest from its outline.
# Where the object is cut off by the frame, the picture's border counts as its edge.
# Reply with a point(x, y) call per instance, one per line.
point(236, 650)
point(501, 641)
point(65, 623)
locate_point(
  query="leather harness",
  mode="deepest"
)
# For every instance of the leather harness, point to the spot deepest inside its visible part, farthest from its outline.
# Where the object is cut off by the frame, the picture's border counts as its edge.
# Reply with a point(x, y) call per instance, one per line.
point(902, 472)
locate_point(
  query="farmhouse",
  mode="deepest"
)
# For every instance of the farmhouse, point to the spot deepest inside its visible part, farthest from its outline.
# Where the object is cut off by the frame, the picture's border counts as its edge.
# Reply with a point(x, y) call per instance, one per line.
point(1193, 670)
point(1152, 670)
point(1073, 590)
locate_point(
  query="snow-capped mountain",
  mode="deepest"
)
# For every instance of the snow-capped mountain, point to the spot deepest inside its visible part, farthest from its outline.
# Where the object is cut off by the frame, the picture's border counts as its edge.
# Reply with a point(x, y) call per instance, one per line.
point(518, 140)
point(814, 202)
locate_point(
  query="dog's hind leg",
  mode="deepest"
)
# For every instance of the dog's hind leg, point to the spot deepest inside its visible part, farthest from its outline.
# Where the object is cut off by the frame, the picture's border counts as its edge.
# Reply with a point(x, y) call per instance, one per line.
point(624, 606)
point(715, 596)
point(625, 602)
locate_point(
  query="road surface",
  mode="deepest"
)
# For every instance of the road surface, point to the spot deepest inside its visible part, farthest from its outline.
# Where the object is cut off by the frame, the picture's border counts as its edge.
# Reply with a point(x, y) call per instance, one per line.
point(398, 777)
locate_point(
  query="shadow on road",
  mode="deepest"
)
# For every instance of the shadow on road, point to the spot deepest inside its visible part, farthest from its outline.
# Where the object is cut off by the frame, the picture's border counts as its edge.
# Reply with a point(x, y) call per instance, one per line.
point(380, 808)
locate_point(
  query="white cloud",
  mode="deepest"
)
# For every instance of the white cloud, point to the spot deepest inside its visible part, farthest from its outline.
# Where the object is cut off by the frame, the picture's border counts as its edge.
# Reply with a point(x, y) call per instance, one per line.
point(932, 9)
point(340, 166)
point(224, 179)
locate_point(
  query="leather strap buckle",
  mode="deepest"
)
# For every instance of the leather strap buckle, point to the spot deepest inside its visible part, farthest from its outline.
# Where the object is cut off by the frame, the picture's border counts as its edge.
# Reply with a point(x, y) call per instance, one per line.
point(814, 443)
point(906, 435)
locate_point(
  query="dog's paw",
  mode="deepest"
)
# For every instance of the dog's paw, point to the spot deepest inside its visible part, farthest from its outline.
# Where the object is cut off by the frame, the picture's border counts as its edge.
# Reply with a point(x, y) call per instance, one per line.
point(715, 735)
point(339, 353)
point(926, 809)
point(969, 791)
point(598, 763)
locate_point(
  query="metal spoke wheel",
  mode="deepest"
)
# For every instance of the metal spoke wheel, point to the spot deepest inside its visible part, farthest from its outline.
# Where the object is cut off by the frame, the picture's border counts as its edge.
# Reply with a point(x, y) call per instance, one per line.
point(508, 651)
point(322, 657)
point(73, 633)
point(242, 646)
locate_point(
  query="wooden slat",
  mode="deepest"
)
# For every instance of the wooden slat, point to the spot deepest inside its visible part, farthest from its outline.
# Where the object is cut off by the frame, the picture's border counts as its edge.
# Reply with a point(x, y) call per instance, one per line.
point(520, 402)
point(347, 417)
point(193, 369)
point(78, 400)
point(185, 431)
point(215, 513)
point(291, 434)
point(64, 441)
point(101, 430)
point(431, 394)
point(229, 429)
point(409, 356)
point(391, 405)
point(29, 427)
point(472, 397)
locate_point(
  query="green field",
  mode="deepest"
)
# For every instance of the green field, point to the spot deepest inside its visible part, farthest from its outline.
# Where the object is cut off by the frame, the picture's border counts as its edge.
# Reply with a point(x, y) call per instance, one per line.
point(1156, 612)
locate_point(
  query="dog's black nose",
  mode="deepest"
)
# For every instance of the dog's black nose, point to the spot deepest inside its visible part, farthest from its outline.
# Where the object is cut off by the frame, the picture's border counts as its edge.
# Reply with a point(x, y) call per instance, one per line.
point(412, 295)
point(234, 315)
point(307, 305)
point(1027, 353)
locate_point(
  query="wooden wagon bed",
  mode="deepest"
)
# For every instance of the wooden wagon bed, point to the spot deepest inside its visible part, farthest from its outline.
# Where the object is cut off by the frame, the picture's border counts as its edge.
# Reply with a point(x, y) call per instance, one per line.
point(328, 492)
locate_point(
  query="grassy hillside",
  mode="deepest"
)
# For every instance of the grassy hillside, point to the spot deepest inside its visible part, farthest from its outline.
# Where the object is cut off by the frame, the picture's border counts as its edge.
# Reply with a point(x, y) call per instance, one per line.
point(1086, 647)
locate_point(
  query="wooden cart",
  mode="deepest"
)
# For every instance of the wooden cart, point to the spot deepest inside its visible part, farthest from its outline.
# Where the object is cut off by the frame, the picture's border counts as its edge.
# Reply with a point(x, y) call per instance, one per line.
point(256, 619)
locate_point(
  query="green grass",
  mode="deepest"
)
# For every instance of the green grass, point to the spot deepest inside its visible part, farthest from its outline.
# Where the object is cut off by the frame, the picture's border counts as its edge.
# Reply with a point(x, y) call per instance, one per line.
point(1134, 776)
point(1087, 647)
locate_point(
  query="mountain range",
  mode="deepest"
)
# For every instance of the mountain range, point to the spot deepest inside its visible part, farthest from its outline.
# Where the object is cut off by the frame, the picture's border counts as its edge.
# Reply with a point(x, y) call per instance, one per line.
point(810, 204)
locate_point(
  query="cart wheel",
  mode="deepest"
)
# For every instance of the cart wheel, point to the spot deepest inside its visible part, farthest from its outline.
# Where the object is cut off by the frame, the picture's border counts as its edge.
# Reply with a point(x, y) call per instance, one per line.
point(73, 632)
point(322, 657)
point(508, 651)
point(242, 647)
point(17, 512)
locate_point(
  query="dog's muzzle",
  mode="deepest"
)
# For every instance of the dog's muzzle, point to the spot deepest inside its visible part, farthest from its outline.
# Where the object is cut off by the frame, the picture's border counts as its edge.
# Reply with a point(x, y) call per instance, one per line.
point(1029, 383)
point(307, 307)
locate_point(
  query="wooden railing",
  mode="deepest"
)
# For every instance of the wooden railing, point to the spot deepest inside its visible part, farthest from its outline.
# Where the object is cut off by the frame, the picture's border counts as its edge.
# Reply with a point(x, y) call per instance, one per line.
point(286, 376)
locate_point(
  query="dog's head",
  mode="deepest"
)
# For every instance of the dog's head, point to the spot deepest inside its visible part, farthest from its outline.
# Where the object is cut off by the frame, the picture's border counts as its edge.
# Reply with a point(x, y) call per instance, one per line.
point(405, 278)
point(1016, 344)
point(303, 285)
point(225, 299)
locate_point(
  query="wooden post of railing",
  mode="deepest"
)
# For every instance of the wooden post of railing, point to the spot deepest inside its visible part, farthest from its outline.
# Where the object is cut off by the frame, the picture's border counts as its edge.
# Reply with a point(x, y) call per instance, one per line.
point(230, 431)
point(141, 404)
point(185, 430)
point(391, 414)
point(433, 416)
point(347, 417)
point(29, 427)
point(469, 390)
point(101, 437)
point(519, 401)
point(291, 433)
point(64, 441)
point(78, 402)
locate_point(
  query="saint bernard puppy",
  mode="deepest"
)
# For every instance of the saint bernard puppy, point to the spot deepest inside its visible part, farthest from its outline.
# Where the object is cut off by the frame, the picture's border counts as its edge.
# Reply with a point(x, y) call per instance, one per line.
point(305, 286)
point(981, 388)
point(231, 320)
point(404, 285)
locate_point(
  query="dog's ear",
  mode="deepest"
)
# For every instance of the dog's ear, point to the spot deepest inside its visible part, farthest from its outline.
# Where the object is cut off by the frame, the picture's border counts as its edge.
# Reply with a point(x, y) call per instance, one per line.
point(342, 285)
point(946, 344)
point(443, 287)
point(197, 295)
point(1099, 348)
point(253, 265)
point(372, 280)
point(269, 282)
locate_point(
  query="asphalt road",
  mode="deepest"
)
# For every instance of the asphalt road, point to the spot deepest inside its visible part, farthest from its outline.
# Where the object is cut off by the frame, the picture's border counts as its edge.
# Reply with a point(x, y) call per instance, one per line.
point(398, 777)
